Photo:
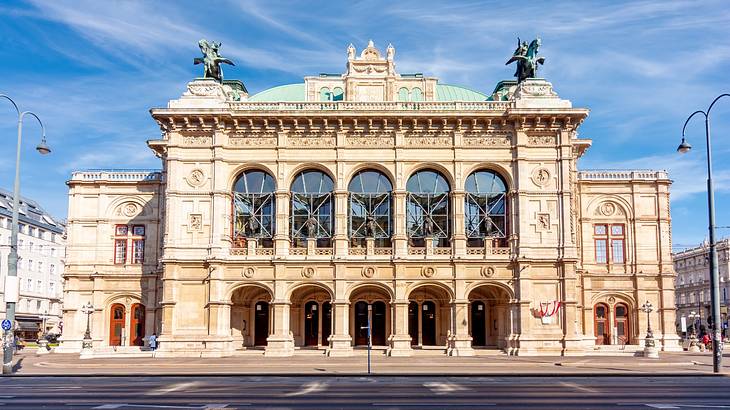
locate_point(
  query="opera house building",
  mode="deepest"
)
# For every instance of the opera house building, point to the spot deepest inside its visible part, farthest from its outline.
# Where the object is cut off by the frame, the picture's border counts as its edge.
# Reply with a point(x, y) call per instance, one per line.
point(446, 220)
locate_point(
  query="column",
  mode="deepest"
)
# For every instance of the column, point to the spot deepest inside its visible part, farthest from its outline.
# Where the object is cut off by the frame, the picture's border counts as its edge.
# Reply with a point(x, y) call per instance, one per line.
point(400, 237)
point(341, 224)
point(281, 235)
point(460, 339)
point(400, 341)
point(340, 341)
point(459, 236)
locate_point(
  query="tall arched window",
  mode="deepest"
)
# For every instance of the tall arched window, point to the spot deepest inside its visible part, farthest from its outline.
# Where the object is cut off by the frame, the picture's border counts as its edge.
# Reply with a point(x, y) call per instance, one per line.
point(338, 94)
point(403, 94)
point(325, 94)
point(416, 94)
point(312, 208)
point(370, 204)
point(254, 208)
point(485, 208)
point(427, 208)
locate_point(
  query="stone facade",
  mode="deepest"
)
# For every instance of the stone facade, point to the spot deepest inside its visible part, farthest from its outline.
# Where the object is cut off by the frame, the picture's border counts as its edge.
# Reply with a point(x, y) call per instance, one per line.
point(261, 233)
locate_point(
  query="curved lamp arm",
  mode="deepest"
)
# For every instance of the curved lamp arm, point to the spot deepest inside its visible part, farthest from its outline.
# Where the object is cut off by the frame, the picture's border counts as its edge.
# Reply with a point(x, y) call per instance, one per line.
point(689, 118)
point(11, 102)
point(714, 101)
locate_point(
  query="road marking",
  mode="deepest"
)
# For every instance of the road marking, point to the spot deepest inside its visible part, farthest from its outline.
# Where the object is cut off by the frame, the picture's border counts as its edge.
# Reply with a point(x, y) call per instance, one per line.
point(443, 387)
point(310, 387)
point(173, 387)
point(579, 387)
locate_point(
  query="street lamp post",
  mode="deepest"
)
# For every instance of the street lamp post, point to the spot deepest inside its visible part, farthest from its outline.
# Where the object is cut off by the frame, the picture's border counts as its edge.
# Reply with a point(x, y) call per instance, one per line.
point(87, 309)
point(650, 349)
point(11, 281)
point(714, 274)
point(693, 346)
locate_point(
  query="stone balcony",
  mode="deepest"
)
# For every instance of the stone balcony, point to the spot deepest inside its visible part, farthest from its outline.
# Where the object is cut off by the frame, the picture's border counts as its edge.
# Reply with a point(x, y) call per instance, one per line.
point(340, 106)
point(622, 175)
point(121, 175)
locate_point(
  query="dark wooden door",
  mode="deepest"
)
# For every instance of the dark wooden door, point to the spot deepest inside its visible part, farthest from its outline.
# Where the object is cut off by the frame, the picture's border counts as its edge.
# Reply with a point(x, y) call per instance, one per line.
point(311, 323)
point(261, 324)
point(378, 323)
point(600, 315)
point(361, 323)
point(326, 322)
point(413, 322)
point(622, 324)
point(116, 325)
point(428, 323)
point(478, 324)
point(137, 325)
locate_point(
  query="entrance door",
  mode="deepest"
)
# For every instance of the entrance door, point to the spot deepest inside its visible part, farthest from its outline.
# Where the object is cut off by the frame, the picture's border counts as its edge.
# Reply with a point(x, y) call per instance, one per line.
point(600, 313)
point(311, 324)
point(413, 322)
point(622, 323)
point(478, 324)
point(137, 325)
point(361, 323)
point(379, 323)
point(116, 325)
point(428, 323)
point(326, 322)
point(261, 324)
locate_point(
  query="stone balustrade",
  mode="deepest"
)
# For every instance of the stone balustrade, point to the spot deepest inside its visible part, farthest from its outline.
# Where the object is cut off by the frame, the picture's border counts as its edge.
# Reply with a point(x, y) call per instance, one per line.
point(618, 175)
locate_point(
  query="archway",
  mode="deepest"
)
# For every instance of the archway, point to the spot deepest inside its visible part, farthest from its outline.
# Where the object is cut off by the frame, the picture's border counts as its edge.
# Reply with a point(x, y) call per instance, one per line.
point(311, 316)
point(370, 303)
point(489, 316)
point(429, 315)
point(250, 315)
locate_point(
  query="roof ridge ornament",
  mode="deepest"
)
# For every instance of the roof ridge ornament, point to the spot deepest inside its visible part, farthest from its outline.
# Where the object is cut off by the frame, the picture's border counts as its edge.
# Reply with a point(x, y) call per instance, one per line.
point(527, 59)
point(211, 60)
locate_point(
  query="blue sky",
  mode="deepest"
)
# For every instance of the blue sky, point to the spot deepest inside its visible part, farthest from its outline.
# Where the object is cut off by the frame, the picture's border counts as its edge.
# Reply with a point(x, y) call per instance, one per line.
point(92, 69)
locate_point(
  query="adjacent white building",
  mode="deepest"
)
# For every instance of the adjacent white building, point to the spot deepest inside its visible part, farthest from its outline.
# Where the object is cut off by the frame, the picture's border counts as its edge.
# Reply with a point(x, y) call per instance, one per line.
point(693, 283)
point(41, 251)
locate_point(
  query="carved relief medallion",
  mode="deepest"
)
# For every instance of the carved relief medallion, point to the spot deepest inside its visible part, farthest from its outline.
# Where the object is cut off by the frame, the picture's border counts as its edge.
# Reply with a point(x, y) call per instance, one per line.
point(541, 176)
point(196, 178)
point(248, 272)
point(128, 209)
point(428, 271)
point(543, 222)
point(487, 271)
point(195, 223)
point(607, 209)
point(368, 271)
point(308, 272)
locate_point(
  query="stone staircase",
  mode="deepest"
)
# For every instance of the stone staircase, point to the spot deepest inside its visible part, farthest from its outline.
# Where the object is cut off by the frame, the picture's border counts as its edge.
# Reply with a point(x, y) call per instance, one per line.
point(617, 350)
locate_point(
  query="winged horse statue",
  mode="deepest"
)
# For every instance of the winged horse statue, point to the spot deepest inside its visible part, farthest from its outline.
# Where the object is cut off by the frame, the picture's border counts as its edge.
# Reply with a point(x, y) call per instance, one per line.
point(527, 59)
point(211, 60)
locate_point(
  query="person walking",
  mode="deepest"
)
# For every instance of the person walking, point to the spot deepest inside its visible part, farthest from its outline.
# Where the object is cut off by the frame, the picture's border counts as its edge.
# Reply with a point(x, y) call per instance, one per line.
point(153, 342)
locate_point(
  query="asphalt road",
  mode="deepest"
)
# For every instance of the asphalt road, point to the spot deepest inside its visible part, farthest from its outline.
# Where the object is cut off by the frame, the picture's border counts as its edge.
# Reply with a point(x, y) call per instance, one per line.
point(387, 392)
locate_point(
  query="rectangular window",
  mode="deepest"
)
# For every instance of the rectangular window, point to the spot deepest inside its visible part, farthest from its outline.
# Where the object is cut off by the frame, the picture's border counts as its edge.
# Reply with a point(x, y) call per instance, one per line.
point(40, 266)
point(617, 250)
point(601, 251)
point(29, 285)
point(121, 230)
point(39, 287)
point(120, 251)
point(52, 288)
point(30, 265)
point(52, 269)
point(138, 251)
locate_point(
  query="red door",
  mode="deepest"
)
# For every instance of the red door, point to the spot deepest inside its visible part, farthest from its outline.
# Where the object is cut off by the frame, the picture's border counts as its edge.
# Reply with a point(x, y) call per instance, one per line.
point(600, 315)
point(622, 324)
point(137, 325)
point(116, 325)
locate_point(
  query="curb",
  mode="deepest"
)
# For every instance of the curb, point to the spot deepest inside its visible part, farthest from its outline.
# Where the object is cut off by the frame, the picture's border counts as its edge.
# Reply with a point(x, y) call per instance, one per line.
point(364, 374)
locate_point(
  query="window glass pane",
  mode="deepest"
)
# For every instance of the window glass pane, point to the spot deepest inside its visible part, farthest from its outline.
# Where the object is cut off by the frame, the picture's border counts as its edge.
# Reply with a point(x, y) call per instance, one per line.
point(120, 251)
point(600, 229)
point(617, 250)
point(138, 230)
point(138, 251)
point(620, 311)
point(617, 230)
point(600, 312)
point(121, 230)
point(601, 251)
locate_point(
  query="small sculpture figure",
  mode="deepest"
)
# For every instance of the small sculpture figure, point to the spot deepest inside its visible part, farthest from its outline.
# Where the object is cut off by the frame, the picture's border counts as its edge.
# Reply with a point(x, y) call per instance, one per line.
point(488, 226)
point(311, 226)
point(527, 59)
point(252, 226)
point(390, 52)
point(370, 227)
point(427, 227)
point(211, 60)
point(350, 52)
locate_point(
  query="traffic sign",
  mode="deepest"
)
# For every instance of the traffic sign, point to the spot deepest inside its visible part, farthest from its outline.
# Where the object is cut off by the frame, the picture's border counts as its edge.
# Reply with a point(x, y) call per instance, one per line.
point(6, 324)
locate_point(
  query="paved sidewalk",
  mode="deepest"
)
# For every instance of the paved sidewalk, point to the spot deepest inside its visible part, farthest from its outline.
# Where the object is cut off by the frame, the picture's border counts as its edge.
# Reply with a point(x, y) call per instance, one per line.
point(27, 363)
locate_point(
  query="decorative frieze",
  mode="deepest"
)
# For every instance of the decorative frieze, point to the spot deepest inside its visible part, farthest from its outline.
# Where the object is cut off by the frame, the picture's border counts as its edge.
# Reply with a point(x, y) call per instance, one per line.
point(252, 141)
point(541, 140)
point(197, 140)
point(312, 142)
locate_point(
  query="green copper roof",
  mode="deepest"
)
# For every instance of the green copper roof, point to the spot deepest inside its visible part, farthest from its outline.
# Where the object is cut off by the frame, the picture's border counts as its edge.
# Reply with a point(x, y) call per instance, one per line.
point(295, 92)
point(445, 92)
point(284, 93)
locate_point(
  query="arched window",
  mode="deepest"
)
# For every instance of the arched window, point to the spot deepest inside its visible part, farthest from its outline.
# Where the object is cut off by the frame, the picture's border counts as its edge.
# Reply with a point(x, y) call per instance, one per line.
point(370, 204)
point(485, 208)
point(312, 208)
point(338, 94)
point(324, 94)
point(416, 94)
point(427, 208)
point(254, 208)
point(403, 94)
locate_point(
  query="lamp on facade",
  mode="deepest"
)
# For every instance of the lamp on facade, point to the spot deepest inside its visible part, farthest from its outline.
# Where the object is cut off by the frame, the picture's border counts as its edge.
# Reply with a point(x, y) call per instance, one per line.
point(87, 309)
point(650, 349)
point(714, 274)
point(11, 281)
